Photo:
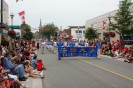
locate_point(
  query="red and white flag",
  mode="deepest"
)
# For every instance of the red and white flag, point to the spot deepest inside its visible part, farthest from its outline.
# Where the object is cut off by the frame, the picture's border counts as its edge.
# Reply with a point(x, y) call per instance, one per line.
point(22, 16)
point(104, 24)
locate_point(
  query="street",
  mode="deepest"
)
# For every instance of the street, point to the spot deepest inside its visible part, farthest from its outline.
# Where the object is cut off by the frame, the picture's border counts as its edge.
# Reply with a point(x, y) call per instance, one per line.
point(85, 72)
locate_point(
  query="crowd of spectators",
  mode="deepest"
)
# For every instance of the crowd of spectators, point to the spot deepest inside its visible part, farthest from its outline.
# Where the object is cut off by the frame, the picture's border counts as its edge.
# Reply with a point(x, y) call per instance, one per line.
point(117, 49)
point(18, 64)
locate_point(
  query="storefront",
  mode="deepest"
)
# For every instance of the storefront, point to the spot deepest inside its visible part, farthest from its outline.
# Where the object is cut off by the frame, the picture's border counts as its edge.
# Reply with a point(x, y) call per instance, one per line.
point(3, 20)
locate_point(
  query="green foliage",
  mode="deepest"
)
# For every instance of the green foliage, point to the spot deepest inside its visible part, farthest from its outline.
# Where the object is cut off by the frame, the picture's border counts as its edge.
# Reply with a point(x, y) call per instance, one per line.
point(25, 27)
point(49, 30)
point(91, 33)
point(123, 19)
point(28, 35)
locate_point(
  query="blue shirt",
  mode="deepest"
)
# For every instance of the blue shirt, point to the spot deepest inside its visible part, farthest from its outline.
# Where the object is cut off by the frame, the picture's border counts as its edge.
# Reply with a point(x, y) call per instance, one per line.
point(82, 43)
point(7, 64)
point(98, 46)
point(33, 63)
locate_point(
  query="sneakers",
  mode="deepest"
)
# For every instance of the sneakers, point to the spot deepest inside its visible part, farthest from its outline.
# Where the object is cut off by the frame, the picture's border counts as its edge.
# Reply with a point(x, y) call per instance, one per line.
point(41, 74)
point(98, 57)
point(44, 68)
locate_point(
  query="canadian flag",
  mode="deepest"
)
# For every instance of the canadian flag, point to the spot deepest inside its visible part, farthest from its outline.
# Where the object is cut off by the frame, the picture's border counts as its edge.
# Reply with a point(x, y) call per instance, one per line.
point(22, 15)
point(104, 24)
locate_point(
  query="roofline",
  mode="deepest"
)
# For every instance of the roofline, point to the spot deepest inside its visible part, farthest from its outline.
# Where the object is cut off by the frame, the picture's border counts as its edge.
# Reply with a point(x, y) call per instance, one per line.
point(76, 26)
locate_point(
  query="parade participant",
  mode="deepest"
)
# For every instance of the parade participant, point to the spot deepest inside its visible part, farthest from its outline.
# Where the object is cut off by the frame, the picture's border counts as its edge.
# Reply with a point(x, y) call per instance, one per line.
point(43, 46)
point(82, 43)
point(55, 46)
point(98, 45)
point(65, 43)
point(76, 44)
point(86, 44)
point(71, 44)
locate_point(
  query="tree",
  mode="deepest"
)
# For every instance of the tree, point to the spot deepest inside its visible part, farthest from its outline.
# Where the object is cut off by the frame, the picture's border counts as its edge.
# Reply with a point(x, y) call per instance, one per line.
point(91, 33)
point(123, 19)
point(49, 30)
point(27, 34)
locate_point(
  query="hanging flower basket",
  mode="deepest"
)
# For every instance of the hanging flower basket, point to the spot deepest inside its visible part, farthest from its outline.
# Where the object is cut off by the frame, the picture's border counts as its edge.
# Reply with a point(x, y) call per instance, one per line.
point(12, 33)
point(111, 34)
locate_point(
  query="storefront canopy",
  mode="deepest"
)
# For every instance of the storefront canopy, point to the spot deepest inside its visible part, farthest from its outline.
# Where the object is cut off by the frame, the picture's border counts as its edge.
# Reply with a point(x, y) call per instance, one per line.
point(14, 26)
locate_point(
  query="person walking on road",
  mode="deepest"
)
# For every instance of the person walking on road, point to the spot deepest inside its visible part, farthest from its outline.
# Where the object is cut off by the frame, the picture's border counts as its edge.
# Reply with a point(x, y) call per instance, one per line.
point(43, 46)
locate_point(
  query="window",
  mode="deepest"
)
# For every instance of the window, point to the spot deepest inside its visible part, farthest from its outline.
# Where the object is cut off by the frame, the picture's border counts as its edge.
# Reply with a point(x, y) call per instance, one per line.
point(83, 32)
point(76, 31)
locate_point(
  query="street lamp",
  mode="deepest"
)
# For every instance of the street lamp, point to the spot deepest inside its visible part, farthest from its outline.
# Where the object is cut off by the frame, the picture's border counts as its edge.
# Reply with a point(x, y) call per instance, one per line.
point(109, 18)
point(78, 34)
point(12, 15)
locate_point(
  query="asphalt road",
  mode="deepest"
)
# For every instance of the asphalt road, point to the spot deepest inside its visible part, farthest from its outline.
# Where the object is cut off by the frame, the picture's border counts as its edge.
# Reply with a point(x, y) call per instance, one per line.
point(85, 72)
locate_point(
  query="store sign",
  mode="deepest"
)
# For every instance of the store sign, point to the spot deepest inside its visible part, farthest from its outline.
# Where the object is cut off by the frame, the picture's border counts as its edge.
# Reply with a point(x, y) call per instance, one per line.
point(5, 31)
point(5, 13)
point(79, 35)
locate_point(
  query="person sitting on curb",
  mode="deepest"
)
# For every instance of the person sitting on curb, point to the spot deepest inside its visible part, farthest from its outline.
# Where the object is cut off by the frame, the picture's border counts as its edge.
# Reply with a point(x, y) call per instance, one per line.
point(4, 74)
point(40, 65)
point(29, 70)
point(2, 83)
point(130, 59)
point(14, 69)
point(33, 62)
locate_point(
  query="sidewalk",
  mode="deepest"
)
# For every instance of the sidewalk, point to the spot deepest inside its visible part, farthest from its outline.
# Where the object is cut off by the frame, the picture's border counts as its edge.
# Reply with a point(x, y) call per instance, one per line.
point(120, 59)
point(34, 82)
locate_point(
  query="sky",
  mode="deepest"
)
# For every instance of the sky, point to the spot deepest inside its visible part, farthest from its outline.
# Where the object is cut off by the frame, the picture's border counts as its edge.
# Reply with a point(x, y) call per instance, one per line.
point(61, 12)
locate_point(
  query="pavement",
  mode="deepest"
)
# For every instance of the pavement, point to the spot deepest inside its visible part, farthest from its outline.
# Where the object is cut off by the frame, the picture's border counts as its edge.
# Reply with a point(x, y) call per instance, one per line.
point(83, 73)
point(109, 57)
point(34, 82)
point(86, 72)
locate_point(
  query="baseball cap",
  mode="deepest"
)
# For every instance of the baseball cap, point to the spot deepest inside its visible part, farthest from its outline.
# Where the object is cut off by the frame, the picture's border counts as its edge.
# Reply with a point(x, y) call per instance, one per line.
point(17, 48)
point(35, 56)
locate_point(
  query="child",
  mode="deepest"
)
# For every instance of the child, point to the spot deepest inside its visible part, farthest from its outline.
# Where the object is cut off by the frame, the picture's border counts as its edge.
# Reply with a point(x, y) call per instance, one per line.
point(29, 69)
point(34, 62)
point(40, 65)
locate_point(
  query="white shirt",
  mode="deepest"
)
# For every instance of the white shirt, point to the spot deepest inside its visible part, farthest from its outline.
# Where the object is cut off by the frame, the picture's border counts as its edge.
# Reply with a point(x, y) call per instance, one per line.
point(55, 43)
point(65, 43)
point(116, 53)
point(76, 44)
point(43, 43)
point(86, 44)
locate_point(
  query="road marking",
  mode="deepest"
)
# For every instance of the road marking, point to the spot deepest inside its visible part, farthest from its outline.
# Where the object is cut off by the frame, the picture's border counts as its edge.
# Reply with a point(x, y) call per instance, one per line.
point(106, 70)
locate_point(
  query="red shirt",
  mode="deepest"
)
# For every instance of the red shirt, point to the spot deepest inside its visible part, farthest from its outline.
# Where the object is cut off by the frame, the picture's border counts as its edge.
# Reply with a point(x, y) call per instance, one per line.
point(119, 44)
point(39, 66)
point(125, 49)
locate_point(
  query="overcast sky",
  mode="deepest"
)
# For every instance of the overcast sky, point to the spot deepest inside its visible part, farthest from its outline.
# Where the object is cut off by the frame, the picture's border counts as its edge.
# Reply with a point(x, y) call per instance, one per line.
point(61, 12)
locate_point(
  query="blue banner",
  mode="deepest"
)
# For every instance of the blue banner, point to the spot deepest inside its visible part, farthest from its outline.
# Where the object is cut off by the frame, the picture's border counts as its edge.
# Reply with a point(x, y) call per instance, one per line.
point(77, 51)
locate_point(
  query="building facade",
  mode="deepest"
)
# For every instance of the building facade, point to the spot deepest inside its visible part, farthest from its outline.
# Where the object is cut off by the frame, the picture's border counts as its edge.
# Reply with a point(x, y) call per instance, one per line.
point(100, 23)
point(77, 32)
point(3, 20)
